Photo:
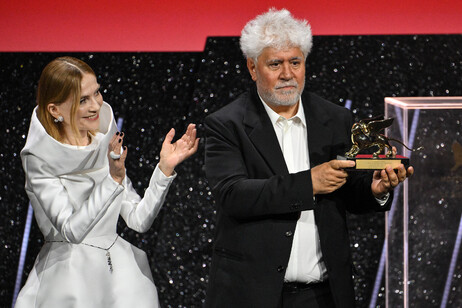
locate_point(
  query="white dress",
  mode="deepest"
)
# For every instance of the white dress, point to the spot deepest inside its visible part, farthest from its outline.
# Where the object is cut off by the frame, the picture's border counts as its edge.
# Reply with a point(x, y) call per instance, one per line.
point(83, 262)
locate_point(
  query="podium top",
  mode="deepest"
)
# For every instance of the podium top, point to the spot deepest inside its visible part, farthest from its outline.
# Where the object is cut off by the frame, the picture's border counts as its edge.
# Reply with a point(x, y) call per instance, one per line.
point(431, 102)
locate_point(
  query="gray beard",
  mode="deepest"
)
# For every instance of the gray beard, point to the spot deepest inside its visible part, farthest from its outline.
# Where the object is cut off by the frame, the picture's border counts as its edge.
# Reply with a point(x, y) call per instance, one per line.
point(285, 98)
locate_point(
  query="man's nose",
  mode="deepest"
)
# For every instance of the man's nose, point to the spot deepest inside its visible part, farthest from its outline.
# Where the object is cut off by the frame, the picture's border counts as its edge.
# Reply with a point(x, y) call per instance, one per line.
point(286, 72)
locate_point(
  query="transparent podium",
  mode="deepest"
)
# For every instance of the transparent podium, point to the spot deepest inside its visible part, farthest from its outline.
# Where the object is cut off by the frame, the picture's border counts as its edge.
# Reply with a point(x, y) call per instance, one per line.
point(424, 226)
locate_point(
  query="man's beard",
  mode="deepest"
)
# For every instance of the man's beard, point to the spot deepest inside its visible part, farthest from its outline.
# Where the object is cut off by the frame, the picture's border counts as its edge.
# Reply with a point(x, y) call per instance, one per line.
point(277, 97)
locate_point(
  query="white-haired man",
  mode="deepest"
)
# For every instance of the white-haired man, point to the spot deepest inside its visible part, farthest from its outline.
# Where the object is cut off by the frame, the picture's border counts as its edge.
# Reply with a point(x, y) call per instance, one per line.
point(281, 233)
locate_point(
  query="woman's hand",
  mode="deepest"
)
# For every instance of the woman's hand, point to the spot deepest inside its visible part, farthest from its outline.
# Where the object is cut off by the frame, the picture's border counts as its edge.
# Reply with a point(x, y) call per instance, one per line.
point(117, 166)
point(173, 154)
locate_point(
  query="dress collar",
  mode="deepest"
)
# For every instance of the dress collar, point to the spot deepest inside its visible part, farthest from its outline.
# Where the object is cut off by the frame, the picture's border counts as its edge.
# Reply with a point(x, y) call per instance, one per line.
point(62, 158)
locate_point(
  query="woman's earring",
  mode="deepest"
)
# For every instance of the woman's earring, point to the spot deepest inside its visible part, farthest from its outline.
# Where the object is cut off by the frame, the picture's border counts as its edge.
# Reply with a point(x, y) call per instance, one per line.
point(59, 119)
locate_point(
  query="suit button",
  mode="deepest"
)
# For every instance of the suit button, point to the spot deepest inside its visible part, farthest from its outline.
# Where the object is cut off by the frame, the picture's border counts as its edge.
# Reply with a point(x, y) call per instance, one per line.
point(289, 233)
point(296, 205)
point(281, 268)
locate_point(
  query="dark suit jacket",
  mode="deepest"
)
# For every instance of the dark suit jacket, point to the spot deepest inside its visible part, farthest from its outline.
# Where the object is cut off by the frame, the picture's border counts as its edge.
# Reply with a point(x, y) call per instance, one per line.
point(259, 202)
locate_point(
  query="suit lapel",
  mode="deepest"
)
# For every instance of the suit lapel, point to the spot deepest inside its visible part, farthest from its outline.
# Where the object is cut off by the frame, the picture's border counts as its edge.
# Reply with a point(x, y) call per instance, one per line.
point(319, 133)
point(261, 132)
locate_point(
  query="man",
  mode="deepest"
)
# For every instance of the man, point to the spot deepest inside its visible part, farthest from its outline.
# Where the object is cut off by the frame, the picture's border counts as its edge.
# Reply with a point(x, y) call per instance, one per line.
point(281, 233)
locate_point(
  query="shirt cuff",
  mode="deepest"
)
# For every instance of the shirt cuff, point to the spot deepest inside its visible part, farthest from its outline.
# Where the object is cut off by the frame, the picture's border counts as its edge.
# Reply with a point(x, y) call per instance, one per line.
point(123, 185)
point(161, 177)
point(383, 200)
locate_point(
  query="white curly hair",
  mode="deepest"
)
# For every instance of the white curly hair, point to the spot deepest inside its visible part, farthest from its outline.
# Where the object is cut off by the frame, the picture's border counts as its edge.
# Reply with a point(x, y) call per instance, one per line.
point(277, 29)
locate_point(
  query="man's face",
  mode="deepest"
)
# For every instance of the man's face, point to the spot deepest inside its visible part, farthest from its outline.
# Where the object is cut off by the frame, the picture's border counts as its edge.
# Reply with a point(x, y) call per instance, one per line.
point(279, 75)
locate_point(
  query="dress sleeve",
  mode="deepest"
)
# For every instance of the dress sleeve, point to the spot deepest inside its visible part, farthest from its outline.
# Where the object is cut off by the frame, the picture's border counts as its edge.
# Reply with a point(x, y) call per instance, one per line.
point(51, 195)
point(139, 213)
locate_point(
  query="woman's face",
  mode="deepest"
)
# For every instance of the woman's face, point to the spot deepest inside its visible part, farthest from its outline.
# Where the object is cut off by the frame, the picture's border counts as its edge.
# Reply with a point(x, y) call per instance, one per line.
point(87, 115)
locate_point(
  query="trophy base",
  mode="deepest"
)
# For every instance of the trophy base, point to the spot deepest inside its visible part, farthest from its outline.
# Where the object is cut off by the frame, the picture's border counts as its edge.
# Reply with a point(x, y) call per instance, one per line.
point(366, 162)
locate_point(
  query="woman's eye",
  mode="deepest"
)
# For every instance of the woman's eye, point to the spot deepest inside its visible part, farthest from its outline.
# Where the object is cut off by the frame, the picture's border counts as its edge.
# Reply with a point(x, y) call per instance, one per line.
point(82, 100)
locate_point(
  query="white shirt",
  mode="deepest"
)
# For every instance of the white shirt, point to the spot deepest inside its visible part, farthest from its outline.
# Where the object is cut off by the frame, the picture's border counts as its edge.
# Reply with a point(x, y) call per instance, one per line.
point(305, 262)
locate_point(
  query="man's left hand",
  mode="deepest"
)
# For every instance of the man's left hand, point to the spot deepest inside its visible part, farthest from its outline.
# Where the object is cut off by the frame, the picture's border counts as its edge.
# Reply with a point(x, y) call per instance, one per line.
point(384, 181)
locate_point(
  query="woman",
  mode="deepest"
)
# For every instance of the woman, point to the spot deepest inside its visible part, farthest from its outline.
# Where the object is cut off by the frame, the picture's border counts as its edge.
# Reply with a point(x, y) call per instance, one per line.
point(74, 161)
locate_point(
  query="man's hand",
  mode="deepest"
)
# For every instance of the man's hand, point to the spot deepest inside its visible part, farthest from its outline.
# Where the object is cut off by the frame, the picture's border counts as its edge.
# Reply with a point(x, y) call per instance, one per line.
point(384, 181)
point(330, 176)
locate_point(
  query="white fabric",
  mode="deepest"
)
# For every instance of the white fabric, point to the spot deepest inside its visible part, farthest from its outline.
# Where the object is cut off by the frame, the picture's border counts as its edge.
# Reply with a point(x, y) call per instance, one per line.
point(77, 204)
point(305, 262)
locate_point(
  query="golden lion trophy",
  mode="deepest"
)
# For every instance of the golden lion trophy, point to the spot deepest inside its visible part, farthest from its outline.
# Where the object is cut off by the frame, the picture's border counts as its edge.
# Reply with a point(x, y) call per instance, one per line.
point(366, 134)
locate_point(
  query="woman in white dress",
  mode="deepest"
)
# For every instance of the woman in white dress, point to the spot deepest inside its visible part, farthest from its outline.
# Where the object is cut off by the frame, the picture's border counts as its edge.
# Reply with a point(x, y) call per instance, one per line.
point(74, 162)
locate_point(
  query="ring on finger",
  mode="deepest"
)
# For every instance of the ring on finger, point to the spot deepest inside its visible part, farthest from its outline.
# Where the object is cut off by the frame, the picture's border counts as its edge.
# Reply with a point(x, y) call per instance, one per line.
point(115, 156)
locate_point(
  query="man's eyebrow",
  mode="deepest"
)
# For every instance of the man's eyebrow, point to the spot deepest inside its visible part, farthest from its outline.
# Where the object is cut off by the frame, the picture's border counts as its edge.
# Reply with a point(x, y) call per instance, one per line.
point(274, 60)
point(281, 60)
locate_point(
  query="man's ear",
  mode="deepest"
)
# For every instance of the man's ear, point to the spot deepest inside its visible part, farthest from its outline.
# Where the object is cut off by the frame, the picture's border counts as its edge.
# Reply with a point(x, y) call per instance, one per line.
point(251, 67)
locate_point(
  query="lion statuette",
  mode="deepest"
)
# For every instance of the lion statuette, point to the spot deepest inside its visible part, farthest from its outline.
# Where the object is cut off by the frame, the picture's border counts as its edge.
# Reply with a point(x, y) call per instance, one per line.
point(366, 134)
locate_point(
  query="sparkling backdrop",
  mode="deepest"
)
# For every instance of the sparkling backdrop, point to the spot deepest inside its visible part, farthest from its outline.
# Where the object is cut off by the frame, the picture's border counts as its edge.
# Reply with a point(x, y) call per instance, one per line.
point(435, 210)
point(153, 92)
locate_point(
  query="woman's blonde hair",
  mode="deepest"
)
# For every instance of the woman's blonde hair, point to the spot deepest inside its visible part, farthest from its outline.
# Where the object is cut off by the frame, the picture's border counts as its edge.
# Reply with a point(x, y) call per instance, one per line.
point(60, 80)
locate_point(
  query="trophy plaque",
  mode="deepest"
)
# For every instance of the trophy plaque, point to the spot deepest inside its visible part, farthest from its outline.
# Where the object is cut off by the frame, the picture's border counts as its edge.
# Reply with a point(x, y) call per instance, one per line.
point(368, 162)
point(366, 134)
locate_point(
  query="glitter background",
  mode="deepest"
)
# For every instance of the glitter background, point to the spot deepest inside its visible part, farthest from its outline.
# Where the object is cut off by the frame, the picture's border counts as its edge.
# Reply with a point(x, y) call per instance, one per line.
point(435, 200)
point(155, 91)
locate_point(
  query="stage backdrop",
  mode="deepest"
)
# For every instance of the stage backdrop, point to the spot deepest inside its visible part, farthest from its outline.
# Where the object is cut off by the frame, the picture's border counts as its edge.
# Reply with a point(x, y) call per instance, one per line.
point(153, 90)
point(183, 25)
